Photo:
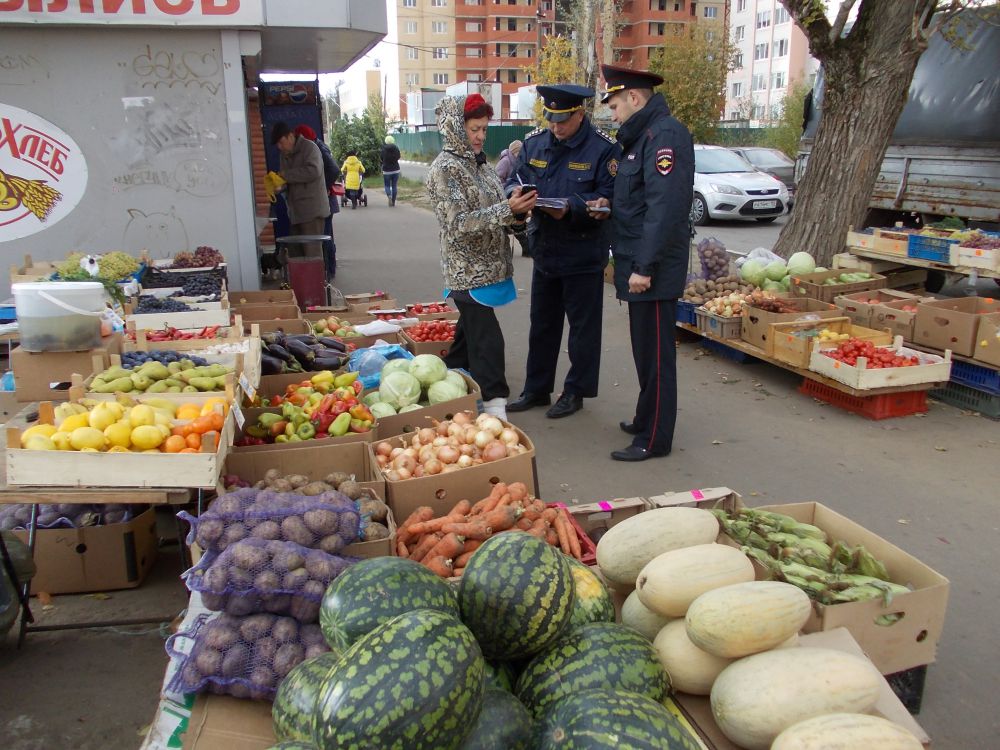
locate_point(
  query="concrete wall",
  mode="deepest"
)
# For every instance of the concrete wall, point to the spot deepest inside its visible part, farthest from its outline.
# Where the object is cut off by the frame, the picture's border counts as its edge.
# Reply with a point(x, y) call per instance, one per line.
point(148, 109)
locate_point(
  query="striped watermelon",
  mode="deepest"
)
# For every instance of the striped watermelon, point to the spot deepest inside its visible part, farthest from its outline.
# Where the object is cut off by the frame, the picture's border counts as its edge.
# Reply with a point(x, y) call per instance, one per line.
point(600, 654)
point(503, 724)
point(606, 719)
point(516, 595)
point(501, 674)
point(295, 702)
point(374, 591)
point(294, 745)
point(592, 601)
point(414, 683)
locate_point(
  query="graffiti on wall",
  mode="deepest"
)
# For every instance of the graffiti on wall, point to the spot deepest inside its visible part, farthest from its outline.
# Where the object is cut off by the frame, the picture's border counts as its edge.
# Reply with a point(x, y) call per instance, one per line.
point(158, 233)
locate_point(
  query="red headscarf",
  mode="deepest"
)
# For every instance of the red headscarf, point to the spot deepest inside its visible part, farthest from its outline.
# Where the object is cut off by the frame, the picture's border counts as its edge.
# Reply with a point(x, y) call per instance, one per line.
point(306, 132)
point(473, 102)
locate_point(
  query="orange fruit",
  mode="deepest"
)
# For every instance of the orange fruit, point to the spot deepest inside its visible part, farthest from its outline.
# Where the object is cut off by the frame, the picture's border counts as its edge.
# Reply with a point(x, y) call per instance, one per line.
point(217, 420)
point(194, 441)
point(215, 437)
point(174, 444)
point(187, 450)
point(188, 411)
point(202, 424)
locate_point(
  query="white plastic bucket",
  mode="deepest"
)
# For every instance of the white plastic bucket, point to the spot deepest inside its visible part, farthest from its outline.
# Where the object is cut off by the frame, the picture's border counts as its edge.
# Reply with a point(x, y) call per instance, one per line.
point(59, 316)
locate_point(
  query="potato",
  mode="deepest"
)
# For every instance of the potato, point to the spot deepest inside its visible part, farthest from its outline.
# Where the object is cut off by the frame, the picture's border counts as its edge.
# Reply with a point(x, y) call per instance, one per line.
point(239, 579)
point(287, 558)
point(266, 582)
point(266, 530)
point(374, 531)
point(289, 654)
point(297, 480)
point(304, 610)
point(190, 675)
point(215, 579)
point(208, 661)
point(281, 485)
point(271, 474)
point(311, 635)
point(320, 521)
point(214, 602)
point(315, 649)
point(319, 566)
point(285, 630)
point(241, 606)
point(248, 556)
point(331, 544)
point(314, 488)
point(293, 580)
point(293, 529)
point(260, 484)
point(278, 604)
point(220, 637)
point(350, 488)
point(262, 678)
point(236, 690)
point(234, 532)
point(314, 589)
point(236, 661)
point(227, 505)
point(210, 530)
point(335, 478)
point(265, 649)
point(374, 508)
point(255, 627)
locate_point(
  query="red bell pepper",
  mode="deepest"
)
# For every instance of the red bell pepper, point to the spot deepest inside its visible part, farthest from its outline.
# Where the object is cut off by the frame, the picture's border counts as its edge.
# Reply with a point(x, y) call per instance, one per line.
point(361, 412)
point(357, 387)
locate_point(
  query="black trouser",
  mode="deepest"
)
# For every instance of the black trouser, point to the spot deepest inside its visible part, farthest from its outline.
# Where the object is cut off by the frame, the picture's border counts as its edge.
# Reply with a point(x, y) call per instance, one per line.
point(651, 326)
point(580, 299)
point(479, 348)
point(330, 245)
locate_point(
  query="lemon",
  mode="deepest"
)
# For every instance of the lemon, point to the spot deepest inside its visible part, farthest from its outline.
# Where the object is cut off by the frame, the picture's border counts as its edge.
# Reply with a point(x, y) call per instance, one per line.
point(147, 437)
point(44, 430)
point(61, 439)
point(141, 415)
point(118, 449)
point(89, 450)
point(162, 418)
point(87, 437)
point(102, 415)
point(40, 443)
point(209, 406)
point(119, 434)
point(73, 421)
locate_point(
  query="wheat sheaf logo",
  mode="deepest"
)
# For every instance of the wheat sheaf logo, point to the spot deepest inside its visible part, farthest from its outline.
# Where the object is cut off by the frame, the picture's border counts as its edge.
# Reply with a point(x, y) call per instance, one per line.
point(34, 195)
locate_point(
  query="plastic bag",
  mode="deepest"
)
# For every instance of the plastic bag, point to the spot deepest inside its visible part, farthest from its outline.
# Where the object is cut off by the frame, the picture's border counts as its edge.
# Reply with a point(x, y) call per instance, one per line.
point(714, 259)
point(329, 521)
point(246, 657)
point(65, 515)
point(257, 575)
point(758, 253)
point(369, 362)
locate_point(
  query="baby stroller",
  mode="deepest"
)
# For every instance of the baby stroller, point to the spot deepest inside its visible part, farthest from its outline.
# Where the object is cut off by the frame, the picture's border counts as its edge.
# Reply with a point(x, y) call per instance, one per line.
point(355, 196)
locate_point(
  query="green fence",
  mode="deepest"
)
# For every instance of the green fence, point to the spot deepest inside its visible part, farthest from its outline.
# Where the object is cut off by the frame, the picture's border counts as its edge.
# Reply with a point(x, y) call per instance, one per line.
point(740, 136)
point(426, 144)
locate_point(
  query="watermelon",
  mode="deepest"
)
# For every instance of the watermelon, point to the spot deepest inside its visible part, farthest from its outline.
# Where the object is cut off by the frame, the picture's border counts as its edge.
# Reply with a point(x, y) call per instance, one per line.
point(606, 719)
point(501, 674)
point(295, 702)
point(592, 601)
point(413, 683)
point(374, 591)
point(293, 745)
point(599, 654)
point(516, 595)
point(503, 724)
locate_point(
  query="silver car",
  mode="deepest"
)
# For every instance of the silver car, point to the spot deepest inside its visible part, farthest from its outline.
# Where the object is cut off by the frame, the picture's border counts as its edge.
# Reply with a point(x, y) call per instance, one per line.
point(726, 186)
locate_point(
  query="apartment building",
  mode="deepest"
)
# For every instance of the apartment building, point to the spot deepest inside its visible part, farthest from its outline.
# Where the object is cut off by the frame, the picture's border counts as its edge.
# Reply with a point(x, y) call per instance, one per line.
point(450, 41)
point(643, 26)
point(772, 55)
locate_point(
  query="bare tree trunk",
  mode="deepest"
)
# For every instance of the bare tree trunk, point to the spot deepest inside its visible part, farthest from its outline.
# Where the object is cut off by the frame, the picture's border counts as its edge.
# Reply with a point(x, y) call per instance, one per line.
point(867, 77)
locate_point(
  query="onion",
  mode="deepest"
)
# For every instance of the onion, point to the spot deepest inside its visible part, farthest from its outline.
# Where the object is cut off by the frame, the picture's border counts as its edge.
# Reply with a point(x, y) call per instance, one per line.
point(494, 451)
point(462, 418)
point(426, 434)
point(404, 473)
point(470, 434)
point(439, 441)
point(395, 452)
point(384, 448)
point(477, 461)
point(404, 462)
point(382, 461)
point(419, 471)
point(483, 438)
point(490, 423)
point(426, 453)
point(411, 452)
point(466, 450)
point(464, 461)
point(392, 475)
point(441, 428)
point(448, 454)
point(433, 466)
point(456, 430)
point(449, 468)
point(509, 437)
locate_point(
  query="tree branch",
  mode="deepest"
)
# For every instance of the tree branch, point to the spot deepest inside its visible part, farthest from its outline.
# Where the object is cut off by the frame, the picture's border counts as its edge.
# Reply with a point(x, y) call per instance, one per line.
point(810, 16)
point(838, 25)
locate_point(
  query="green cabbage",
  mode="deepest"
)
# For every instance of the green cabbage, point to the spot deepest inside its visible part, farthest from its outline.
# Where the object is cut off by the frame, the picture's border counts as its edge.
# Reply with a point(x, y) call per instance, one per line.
point(428, 369)
point(775, 270)
point(773, 286)
point(752, 272)
point(801, 263)
point(786, 283)
point(371, 398)
point(410, 407)
point(400, 389)
point(382, 409)
point(443, 390)
point(456, 378)
point(396, 365)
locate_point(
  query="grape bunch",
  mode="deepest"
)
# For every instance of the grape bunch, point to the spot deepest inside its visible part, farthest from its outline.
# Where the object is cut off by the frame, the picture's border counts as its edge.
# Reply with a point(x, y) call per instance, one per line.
point(981, 240)
point(203, 256)
point(157, 305)
point(136, 359)
point(202, 285)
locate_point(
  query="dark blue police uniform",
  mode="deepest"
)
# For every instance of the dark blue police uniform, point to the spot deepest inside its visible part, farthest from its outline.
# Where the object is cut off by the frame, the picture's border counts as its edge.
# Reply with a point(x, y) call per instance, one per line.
point(651, 237)
point(569, 253)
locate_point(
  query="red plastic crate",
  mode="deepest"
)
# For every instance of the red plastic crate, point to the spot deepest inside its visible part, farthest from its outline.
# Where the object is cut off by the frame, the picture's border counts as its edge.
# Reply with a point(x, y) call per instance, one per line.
point(885, 406)
point(587, 547)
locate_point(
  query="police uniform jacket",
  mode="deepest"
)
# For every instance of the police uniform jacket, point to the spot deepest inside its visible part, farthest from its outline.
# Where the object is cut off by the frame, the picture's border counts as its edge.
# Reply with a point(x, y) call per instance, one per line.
point(652, 203)
point(581, 168)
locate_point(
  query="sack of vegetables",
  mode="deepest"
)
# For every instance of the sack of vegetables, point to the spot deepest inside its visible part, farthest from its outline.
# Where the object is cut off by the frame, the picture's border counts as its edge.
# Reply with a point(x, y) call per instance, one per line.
point(246, 657)
point(329, 521)
point(258, 575)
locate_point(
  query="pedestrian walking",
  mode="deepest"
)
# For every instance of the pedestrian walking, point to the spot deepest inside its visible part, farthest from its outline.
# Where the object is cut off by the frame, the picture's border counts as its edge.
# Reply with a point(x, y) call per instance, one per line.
point(390, 168)
point(331, 173)
point(570, 162)
point(650, 243)
point(476, 257)
point(305, 189)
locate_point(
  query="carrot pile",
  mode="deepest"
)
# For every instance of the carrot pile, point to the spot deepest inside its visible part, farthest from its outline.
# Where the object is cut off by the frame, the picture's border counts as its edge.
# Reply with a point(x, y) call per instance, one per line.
point(444, 544)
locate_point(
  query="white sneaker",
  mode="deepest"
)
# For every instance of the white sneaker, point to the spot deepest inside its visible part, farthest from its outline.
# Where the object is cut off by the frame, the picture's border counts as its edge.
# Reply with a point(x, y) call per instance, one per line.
point(496, 407)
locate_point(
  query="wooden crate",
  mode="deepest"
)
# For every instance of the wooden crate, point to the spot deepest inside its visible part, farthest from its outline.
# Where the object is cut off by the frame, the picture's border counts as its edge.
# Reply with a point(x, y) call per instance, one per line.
point(80, 387)
point(288, 325)
point(793, 342)
point(811, 285)
point(891, 243)
point(92, 469)
point(264, 297)
point(863, 240)
point(248, 365)
point(31, 271)
point(716, 325)
point(932, 369)
point(187, 320)
point(974, 257)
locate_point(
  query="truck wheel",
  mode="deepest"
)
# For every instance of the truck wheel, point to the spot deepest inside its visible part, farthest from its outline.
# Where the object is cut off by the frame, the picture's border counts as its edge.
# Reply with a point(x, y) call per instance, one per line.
point(935, 281)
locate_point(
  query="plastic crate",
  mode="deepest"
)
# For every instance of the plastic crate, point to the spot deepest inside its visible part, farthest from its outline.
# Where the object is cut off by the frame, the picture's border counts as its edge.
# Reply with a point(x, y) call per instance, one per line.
point(735, 355)
point(685, 312)
point(885, 406)
point(971, 399)
point(908, 686)
point(718, 326)
point(976, 376)
point(930, 248)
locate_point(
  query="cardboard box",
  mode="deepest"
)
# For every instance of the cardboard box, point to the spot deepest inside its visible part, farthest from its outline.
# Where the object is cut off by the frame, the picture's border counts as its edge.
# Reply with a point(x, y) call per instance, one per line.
point(263, 297)
point(812, 285)
point(363, 306)
point(707, 497)
point(911, 641)
point(438, 348)
point(255, 313)
point(9, 405)
point(952, 323)
point(598, 517)
point(36, 372)
point(288, 325)
point(442, 491)
point(793, 342)
point(250, 416)
point(410, 421)
point(698, 708)
point(848, 261)
point(988, 339)
point(859, 306)
point(94, 558)
point(892, 316)
point(906, 278)
point(756, 323)
point(220, 722)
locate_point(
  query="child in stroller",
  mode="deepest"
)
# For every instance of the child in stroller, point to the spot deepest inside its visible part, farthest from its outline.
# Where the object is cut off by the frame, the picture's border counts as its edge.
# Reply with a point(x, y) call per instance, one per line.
point(353, 171)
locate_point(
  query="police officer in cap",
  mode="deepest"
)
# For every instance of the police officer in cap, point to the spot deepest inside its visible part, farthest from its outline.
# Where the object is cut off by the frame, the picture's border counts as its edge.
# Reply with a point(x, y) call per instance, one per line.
point(650, 243)
point(571, 162)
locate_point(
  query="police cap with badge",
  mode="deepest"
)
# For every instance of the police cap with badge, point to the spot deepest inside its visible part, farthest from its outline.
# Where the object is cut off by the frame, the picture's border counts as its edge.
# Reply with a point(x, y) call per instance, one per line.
point(560, 101)
point(619, 79)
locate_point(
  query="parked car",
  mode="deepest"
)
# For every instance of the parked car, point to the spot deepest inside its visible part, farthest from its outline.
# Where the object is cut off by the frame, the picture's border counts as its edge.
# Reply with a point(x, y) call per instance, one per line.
point(727, 186)
point(773, 162)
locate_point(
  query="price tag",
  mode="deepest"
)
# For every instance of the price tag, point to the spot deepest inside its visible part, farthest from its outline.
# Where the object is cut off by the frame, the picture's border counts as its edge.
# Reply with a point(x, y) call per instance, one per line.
point(238, 415)
point(249, 390)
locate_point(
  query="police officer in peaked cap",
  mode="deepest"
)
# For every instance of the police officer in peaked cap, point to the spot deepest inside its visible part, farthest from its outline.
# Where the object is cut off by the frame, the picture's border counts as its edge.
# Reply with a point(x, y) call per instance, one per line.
point(570, 162)
point(651, 236)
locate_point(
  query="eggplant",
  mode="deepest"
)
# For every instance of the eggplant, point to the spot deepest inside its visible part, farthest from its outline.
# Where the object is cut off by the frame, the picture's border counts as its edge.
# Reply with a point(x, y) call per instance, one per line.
point(331, 343)
point(305, 338)
point(275, 337)
point(300, 351)
point(329, 354)
point(276, 350)
point(327, 363)
point(270, 365)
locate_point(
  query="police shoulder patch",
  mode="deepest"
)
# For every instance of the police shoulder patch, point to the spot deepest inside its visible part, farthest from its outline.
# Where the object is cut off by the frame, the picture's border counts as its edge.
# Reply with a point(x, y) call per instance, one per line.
point(664, 161)
point(605, 136)
point(612, 167)
point(536, 131)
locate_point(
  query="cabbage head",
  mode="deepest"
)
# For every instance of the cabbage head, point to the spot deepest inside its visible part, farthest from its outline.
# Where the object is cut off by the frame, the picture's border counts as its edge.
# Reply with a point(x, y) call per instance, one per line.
point(801, 263)
point(457, 380)
point(786, 283)
point(396, 365)
point(371, 398)
point(411, 407)
point(399, 389)
point(775, 270)
point(382, 409)
point(752, 272)
point(443, 390)
point(428, 369)
point(773, 286)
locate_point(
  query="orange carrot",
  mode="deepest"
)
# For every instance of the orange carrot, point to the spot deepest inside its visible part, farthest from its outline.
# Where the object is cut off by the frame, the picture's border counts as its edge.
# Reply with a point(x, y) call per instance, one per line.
point(438, 565)
point(498, 491)
point(462, 560)
point(457, 572)
point(461, 509)
point(552, 537)
point(531, 515)
point(504, 501)
point(574, 540)
point(563, 532)
point(427, 527)
point(426, 545)
point(423, 513)
point(536, 506)
point(523, 523)
point(476, 529)
point(449, 547)
point(550, 515)
point(471, 545)
point(539, 529)
point(501, 518)
point(518, 492)
point(401, 550)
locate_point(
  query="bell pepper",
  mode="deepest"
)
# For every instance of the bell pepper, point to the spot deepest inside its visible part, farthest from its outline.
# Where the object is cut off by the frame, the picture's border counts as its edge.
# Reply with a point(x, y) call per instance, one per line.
point(275, 401)
point(339, 407)
point(281, 438)
point(360, 411)
point(298, 398)
point(323, 376)
point(315, 397)
point(323, 387)
point(360, 425)
point(294, 438)
point(290, 428)
point(279, 428)
point(345, 379)
point(358, 387)
point(256, 431)
point(306, 430)
point(269, 419)
point(322, 421)
point(287, 409)
point(340, 425)
point(325, 404)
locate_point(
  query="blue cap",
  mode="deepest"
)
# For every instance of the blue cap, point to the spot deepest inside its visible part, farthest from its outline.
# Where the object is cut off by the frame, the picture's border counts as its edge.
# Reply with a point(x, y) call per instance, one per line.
point(619, 79)
point(560, 101)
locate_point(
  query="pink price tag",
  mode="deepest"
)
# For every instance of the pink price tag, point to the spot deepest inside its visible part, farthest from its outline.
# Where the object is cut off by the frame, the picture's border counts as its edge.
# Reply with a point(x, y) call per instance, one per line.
point(605, 505)
point(697, 495)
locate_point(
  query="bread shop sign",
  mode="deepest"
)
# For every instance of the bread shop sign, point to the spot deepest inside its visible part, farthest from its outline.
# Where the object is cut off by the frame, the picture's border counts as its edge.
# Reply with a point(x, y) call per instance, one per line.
point(217, 13)
point(42, 174)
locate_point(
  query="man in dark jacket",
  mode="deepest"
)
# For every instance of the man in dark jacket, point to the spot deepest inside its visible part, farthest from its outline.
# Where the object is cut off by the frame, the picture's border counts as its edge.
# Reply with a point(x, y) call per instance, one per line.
point(570, 163)
point(651, 236)
point(305, 192)
point(331, 173)
point(390, 168)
